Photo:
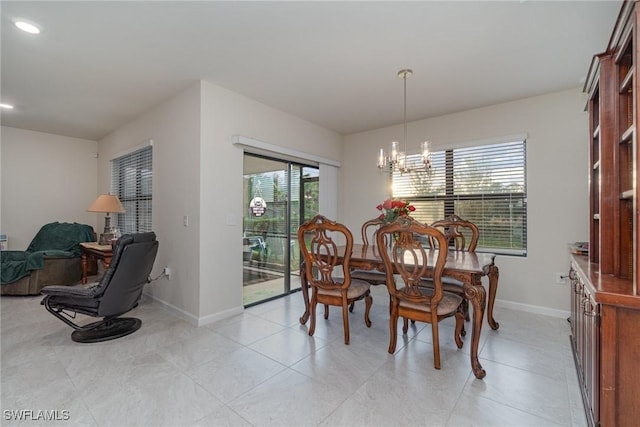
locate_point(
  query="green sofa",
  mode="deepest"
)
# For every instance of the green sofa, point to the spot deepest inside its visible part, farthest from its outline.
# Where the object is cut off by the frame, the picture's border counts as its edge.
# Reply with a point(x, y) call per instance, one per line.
point(52, 258)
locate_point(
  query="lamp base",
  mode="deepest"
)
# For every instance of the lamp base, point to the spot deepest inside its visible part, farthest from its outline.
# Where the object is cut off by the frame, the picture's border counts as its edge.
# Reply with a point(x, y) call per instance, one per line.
point(105, 238)
point(107, 224)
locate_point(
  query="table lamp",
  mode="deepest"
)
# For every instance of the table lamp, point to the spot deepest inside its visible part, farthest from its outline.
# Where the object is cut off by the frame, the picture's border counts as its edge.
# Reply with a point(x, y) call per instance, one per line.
point(106, 203)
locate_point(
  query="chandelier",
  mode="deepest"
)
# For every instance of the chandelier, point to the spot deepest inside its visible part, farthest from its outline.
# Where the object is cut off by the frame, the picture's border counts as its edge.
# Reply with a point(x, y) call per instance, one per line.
point(396, 160)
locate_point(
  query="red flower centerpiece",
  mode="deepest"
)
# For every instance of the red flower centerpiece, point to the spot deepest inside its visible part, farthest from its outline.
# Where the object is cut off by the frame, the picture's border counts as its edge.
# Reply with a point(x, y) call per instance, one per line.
point(394, 208)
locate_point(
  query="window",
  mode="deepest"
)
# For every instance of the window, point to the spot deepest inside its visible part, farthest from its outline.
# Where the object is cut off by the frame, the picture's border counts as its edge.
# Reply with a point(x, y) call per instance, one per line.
point(131, 181)
point(483, 184)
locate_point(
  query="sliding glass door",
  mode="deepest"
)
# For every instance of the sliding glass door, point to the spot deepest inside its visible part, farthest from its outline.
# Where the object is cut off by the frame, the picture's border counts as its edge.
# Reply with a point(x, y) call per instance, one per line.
point(278, 196)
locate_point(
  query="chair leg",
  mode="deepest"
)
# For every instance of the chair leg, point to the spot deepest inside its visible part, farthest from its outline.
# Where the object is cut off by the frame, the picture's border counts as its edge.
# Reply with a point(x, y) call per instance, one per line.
point(405, 325)
point(436, 342)
point(345, 321)
point(326, 311)
point(459, 331)
point(312, 313)
point(465, 316)
point(368, 302)
point(351, 307)
point(393, 328)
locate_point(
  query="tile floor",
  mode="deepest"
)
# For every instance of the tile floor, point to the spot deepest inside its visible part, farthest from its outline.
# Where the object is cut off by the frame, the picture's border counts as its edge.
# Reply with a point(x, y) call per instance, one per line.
point(261, 368)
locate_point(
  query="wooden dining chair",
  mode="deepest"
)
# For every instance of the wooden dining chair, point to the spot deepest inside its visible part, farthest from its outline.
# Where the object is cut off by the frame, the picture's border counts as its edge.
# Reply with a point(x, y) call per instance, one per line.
point(319, 238)
point(411, 260)
point(461, 235)
point(369, 230)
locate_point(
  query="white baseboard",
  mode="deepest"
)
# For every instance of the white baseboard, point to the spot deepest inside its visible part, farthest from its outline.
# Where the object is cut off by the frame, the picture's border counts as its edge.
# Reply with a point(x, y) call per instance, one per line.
point(207, 320)
point(212, 318)
point(188, 317)
point(532, 309)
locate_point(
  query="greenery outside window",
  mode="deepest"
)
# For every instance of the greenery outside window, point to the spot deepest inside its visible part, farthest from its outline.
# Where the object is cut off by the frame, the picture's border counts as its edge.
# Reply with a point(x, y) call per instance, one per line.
point(484, 184)
point(131, 181)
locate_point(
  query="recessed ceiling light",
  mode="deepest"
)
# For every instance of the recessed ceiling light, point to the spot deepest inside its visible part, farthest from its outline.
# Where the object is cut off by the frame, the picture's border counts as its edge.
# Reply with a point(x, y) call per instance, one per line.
point(6, 106)
point(26, 26)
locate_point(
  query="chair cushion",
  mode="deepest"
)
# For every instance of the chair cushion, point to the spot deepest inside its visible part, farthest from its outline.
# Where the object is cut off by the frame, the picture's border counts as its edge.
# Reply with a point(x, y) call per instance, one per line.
point(356, 289)
point(448, 285)
point(451, 281)
point(78, 298)
point(84, 291)
point(371, 276)
point(448, 304)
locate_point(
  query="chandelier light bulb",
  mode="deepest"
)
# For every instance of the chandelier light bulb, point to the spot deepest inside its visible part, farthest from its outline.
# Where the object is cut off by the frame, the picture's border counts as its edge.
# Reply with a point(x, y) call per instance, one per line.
point(394, 151)
point(382, 161)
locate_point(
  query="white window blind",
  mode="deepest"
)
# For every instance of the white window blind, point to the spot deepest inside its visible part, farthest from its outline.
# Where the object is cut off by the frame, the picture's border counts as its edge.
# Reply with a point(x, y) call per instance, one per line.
point(131, 181)
point(484, 184)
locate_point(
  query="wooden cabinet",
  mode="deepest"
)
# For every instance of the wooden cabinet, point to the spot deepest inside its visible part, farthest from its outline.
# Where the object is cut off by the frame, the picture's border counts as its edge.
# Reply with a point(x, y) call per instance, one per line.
point(605, 302)
point(605, 336)
point(585, 320)
point(584, 328)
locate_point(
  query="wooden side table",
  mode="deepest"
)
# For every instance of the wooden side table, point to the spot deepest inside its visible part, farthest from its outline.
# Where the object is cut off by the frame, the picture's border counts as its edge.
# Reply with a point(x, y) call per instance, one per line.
point(97, 252)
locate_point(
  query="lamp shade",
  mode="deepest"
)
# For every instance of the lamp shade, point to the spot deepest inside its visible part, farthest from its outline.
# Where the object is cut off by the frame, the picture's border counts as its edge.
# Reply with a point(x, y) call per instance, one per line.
point(106, 203)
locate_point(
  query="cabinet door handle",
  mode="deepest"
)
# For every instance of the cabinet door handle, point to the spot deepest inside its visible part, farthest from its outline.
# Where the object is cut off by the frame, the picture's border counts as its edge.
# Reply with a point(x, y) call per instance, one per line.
point(588, 306)
point(572, 274)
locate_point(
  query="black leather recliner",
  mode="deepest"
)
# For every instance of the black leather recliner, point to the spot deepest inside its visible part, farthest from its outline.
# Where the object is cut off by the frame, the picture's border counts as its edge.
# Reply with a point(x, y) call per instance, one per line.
point(119, 291)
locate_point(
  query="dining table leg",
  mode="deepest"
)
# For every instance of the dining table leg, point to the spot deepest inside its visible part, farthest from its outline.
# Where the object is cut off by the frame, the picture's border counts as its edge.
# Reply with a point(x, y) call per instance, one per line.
point(493, 289)
point(304, 286)
point(476, 294)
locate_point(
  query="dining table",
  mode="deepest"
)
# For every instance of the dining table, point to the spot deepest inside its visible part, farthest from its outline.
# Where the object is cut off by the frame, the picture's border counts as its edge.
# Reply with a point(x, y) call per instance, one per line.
point(466, 267)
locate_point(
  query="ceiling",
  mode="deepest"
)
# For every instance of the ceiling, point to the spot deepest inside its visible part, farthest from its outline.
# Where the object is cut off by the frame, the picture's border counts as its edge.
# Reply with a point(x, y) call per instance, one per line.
point(98, 65)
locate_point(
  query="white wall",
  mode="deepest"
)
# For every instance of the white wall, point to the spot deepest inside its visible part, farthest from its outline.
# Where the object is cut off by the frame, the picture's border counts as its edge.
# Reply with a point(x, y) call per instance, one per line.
point(45, 178)
point(557, 130)
point(174, 127)
point(225, 114)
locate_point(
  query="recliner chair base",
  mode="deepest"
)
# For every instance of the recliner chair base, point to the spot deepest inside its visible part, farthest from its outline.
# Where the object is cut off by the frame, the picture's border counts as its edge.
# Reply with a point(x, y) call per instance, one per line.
point(105, 331)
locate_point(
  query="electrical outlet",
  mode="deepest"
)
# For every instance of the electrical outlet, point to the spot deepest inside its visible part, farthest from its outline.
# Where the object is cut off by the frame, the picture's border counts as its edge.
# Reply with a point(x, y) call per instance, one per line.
point(560, 279)
point(167, 273)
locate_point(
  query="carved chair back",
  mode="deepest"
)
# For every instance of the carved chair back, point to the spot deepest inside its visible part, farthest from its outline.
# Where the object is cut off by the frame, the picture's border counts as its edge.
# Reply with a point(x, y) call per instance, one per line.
point(319, 240)
point(410, 259)
point(369, 230)
point(461, 235)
